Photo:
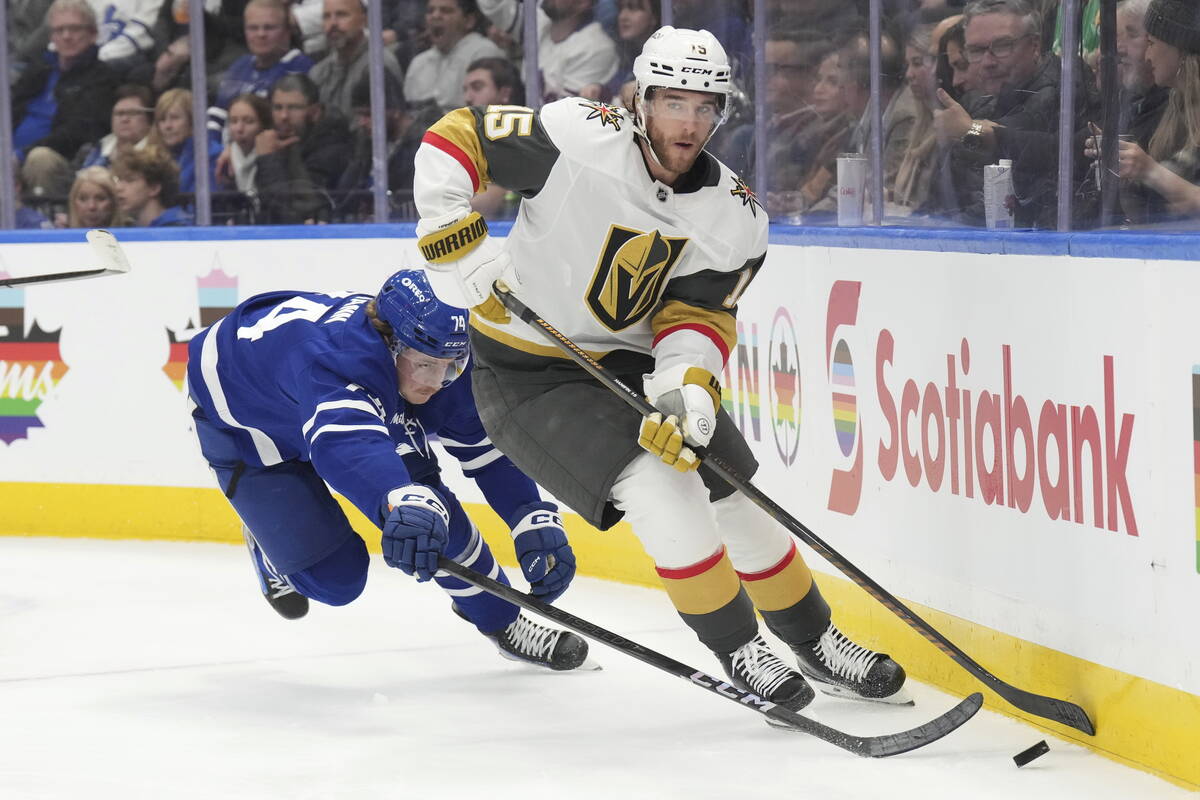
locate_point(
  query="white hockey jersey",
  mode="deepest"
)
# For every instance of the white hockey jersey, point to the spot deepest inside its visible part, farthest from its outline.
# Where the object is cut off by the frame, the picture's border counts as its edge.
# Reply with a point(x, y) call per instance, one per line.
point(611, 257)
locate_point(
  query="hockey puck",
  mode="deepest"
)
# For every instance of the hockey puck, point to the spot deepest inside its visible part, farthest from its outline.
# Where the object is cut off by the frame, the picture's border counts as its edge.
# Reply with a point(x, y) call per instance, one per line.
point(1025, 756)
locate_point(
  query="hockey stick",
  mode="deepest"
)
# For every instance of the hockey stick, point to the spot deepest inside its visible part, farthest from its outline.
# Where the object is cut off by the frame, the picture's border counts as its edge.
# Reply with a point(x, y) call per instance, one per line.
point(106, 250)
point(870, 746)
point(1050, 708)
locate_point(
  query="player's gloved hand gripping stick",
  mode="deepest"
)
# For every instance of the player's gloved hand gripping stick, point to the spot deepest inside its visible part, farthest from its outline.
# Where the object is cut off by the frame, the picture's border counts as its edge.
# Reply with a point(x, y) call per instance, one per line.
point(1050, 708)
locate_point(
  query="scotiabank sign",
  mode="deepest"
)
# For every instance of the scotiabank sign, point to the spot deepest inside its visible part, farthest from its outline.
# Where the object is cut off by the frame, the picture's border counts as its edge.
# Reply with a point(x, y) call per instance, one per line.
point(969, 430)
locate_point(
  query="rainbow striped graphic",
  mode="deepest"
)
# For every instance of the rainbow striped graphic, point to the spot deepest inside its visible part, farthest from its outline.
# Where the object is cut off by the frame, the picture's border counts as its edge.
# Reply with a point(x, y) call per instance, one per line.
point(784, 373)
point(742, 402)
point(30, 367)
point(845, 403)
point(218, 294)
point(1196, 452)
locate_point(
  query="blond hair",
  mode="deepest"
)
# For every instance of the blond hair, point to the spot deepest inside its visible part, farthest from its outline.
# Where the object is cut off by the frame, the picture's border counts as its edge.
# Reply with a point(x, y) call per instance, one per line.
point(98, 176)
point(169, 101)
point(1179, 128)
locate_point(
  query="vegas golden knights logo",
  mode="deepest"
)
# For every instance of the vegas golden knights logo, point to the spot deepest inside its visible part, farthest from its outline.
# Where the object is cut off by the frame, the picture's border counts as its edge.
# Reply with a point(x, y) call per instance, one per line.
point(630, 275)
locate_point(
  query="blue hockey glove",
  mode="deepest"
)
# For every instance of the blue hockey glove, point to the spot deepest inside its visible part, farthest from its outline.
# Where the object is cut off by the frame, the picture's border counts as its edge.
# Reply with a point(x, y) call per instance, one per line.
point(415, 530)
point(541, 545)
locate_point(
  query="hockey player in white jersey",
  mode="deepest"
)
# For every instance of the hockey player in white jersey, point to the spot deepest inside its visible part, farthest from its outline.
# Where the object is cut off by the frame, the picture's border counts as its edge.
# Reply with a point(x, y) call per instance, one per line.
point(293, 390)
point(636, 243)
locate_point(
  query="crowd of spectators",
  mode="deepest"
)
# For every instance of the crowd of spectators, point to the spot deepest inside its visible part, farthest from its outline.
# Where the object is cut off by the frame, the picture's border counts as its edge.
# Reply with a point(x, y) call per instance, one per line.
point(102, 102)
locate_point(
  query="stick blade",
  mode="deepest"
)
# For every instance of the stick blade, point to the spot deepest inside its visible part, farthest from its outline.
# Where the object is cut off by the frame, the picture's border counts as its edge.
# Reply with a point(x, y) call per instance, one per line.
point(108, 251)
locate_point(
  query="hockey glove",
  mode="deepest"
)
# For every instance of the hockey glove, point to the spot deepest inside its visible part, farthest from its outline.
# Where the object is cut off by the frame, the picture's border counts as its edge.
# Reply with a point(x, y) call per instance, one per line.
point(689, 398)
point(541, 544)
point(415, 530)
point(460, 248)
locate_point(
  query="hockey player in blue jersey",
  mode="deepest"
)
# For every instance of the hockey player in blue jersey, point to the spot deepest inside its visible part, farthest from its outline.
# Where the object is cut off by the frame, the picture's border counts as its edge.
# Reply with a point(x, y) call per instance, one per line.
point(296, 390)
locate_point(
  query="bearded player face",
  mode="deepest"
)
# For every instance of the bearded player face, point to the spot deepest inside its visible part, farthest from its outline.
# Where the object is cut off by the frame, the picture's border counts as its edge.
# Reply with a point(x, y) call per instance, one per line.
point(678, 124)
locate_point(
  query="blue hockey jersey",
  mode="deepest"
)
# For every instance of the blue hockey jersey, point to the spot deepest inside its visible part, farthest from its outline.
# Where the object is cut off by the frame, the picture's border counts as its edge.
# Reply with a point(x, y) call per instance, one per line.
point(304, 376)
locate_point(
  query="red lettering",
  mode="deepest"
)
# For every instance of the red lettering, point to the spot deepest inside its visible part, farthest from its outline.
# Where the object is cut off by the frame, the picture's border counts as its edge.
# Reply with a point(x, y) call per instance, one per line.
point(1016, 418)
point(1055, 496)
point(888, 453)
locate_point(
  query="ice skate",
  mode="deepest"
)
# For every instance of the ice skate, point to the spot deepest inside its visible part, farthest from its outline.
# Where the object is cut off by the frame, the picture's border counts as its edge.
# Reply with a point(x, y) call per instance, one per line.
point(281, 595)
point(841, 668)
point(754, 668)
point(526, 640)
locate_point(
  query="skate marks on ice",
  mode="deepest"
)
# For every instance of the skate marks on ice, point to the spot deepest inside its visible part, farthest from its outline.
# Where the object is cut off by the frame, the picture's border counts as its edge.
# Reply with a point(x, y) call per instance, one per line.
point(154, 669)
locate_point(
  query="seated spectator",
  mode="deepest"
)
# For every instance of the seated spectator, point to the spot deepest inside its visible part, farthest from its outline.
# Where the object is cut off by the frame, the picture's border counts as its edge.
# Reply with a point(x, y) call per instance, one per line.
point(147, 184)
point(345, 35)
point(63, 102)
point(899, 108)
point(92, 202)
point(403, 128)
point(913, 182)
point(792, 59)
point(237, 166)
point(27, 34)
point(436, 74)
point(1014, 115)
point(26, 217)
point(493, 81)
point(271, 56)
point(837, 102)
point(124, 34)
point(172, 132)
point(1164, 175)
point(132, 118)
point(636, 20)
point(302, 157)
point(953, 69)
point(575, 55)
point(224, 43)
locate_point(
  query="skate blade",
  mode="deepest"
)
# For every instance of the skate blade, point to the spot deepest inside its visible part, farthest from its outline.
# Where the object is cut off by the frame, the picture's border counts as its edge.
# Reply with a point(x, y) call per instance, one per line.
point(589, 664)
point(900, 698)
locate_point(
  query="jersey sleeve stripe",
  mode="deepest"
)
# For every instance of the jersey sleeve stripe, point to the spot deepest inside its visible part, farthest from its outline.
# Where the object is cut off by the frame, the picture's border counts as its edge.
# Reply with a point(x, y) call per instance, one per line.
point(482, 461)
point(455, 135)
point(719, 326)
point(334, 427)
point(330, 405)
point(447, 442)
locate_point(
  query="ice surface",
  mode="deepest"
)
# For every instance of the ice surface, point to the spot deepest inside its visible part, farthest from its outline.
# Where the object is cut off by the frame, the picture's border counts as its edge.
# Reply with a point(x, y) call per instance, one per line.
point(156, 670)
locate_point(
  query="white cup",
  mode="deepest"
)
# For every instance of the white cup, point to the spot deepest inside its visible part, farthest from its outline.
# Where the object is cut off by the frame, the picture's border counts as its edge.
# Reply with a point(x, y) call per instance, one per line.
point(851, 187)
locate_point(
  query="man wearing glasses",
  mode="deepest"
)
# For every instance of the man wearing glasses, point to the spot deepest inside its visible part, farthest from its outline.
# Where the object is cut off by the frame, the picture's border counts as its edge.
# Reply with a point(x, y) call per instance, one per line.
point(1013, 113)
point(271, 56)
point(63, 102)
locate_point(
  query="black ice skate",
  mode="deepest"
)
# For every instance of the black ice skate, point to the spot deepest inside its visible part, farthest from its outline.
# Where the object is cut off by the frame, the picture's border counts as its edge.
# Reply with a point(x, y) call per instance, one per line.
point(754, 668)
point(281, 595)
point(842, 668)
point(526, 640)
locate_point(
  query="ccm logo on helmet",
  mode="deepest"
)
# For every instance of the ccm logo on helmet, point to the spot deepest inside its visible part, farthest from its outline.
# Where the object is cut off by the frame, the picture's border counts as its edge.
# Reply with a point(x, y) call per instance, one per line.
point(696, 70)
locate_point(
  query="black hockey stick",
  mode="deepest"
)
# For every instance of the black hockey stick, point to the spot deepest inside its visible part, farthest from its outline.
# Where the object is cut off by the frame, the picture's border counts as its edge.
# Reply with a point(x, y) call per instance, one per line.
point(104, 247)
point(1050, 708)
point(871, 746)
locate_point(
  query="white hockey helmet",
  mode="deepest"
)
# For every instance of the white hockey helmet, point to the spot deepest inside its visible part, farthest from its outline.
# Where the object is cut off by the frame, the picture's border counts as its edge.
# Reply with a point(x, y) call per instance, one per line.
point(680, 58)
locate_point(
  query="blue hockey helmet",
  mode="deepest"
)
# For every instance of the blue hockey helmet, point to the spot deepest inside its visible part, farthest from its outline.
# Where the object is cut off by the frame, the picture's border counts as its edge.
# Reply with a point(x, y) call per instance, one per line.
point(421, 322)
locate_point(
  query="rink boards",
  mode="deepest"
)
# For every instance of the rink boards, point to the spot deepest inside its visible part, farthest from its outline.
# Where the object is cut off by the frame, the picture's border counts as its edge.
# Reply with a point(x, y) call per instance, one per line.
point(1002, 430)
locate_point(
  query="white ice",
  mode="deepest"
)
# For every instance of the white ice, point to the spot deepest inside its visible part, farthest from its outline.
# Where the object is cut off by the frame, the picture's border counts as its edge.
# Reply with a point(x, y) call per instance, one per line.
point(156, 670)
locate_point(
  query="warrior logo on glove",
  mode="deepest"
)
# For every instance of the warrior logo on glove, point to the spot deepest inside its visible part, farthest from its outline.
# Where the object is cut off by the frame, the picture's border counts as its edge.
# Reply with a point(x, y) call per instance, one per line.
point(630, 275)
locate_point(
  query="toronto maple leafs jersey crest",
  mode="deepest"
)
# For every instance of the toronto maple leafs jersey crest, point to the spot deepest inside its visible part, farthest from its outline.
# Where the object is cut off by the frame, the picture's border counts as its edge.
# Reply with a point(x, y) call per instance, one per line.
point(303, 376)
point(612, 257)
